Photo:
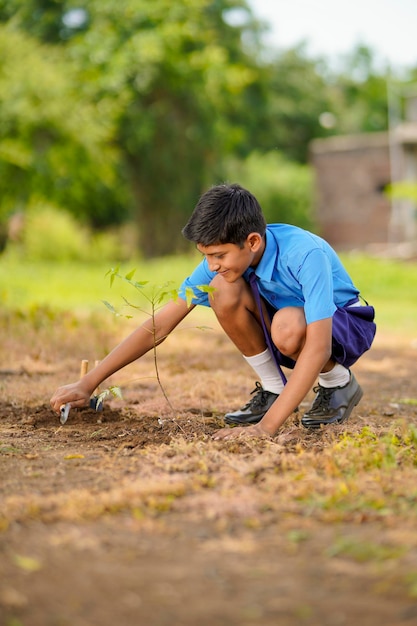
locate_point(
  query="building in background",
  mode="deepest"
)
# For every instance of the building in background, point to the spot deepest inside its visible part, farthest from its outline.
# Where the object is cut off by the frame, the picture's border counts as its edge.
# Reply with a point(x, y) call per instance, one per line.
point(353, 174)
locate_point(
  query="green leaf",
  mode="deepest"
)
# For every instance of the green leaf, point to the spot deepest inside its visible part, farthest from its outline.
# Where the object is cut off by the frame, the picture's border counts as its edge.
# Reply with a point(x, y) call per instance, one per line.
point(207, 289)
point(173, 293)
point(110, 307)
point(137, 284)
point(189, 295)
point(112, 272)
point(115, 391)
point(130, 274)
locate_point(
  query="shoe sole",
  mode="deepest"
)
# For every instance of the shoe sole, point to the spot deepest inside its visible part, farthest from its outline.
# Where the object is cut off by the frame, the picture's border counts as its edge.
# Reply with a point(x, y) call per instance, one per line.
point(354, 402)
point(232, 422)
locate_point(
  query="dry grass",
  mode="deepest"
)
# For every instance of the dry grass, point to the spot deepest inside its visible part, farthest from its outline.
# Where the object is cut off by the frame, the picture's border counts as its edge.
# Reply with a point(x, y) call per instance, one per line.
point(344, 498)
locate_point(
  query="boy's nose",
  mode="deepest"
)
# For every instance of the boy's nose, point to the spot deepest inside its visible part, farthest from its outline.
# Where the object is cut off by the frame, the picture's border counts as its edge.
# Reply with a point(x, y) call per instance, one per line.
point(214, 266)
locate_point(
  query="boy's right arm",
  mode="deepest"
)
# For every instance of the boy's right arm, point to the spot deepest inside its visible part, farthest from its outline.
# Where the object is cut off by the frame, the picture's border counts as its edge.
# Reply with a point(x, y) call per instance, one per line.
point(138, 343)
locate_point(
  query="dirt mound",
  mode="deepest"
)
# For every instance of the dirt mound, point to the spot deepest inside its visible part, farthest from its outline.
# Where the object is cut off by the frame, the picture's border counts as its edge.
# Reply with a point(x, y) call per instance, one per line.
point(134, 515)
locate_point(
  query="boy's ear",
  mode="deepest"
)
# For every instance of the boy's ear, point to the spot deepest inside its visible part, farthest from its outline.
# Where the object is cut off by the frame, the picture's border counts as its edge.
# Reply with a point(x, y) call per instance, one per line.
point(254, 240)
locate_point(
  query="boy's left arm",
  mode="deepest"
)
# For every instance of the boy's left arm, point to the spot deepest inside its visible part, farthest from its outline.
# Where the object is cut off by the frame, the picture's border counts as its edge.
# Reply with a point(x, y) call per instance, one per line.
point(313, 357)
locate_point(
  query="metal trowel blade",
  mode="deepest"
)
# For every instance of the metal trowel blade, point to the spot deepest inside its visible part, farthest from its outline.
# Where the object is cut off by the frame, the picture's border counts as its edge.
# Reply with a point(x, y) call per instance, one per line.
point(64, 412)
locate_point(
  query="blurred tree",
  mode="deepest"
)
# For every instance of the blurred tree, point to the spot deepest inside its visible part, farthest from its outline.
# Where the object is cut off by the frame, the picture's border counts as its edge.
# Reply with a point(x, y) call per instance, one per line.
point(358, 92)
point(308, 99)
point(297, 95)
point(141, 103)
point(284, 188)
point(53, 142)
point(181, 70)
point(50, 21)
point(176, 72)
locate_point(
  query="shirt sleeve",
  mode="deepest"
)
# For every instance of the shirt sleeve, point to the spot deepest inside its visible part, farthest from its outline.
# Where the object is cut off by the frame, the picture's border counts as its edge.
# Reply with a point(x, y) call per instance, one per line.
point(201, 276)
point(316, 281)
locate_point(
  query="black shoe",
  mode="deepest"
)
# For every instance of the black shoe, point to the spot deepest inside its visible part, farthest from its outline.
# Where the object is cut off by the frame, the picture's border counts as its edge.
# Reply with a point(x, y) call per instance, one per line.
point(255, 409)
point(333, 405)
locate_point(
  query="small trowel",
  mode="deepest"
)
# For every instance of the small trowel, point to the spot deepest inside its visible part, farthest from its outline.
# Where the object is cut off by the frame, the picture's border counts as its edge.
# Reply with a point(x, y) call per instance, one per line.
point(96, 402)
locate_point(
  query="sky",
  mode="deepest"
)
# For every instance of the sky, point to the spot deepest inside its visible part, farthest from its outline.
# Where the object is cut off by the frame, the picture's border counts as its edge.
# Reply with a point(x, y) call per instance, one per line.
point(332, 28)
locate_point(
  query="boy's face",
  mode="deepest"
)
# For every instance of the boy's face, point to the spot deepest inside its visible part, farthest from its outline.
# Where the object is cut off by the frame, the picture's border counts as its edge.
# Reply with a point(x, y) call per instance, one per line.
point(231, 261)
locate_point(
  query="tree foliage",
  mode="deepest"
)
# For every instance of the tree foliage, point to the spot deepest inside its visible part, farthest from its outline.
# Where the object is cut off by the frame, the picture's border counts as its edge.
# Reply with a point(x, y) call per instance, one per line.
point(165, 87)
point(53, 142)
point(284, 188)
point(358, 93)
point(298, 95)
point(132, 108)
point(179, 83)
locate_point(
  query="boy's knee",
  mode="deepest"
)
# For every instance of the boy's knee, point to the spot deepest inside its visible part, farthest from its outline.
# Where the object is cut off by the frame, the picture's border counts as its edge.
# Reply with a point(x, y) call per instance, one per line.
point(288, 330)
point(226, 297)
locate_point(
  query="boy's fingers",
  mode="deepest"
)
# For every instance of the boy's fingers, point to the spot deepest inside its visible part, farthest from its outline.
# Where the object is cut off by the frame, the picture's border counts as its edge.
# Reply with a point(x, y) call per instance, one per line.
point(57, 402)
point(227, 433)
point(235, 433)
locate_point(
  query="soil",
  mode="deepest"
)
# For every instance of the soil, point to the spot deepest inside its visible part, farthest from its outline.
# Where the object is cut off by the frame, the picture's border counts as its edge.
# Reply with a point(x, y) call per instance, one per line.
point(135, 516)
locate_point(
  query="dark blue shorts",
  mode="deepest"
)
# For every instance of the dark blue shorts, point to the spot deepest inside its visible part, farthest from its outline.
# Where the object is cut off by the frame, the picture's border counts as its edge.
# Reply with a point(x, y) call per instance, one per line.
point(352, 334)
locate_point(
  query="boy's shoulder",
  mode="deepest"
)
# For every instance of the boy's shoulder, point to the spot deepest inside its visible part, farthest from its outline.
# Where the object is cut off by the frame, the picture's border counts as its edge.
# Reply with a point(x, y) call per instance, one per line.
point(281, 227)
point(287, 235)
point(294, 245)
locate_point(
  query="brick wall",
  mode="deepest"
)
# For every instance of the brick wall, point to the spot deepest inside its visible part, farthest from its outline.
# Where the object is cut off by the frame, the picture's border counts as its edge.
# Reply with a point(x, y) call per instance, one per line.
point(351, 173)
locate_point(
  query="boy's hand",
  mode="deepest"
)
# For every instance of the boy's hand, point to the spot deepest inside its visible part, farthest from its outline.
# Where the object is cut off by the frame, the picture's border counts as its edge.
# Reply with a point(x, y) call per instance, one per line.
point(255, 430)
point(74, 393)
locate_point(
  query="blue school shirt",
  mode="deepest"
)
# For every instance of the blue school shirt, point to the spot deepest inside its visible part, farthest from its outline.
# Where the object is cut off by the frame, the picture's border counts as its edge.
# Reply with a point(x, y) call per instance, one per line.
point(297, 268)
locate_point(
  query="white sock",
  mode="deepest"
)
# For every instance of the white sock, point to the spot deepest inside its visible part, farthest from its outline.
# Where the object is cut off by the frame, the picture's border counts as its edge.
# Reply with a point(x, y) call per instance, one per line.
point(264, 366)
point(339, 376)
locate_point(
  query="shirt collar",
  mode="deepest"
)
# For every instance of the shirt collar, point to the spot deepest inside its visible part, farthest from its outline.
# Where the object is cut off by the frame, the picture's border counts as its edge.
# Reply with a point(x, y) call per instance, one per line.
point(267, 264)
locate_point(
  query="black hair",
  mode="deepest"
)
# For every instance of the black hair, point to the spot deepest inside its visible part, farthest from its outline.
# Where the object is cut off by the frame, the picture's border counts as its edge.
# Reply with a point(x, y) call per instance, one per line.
point(225, 214)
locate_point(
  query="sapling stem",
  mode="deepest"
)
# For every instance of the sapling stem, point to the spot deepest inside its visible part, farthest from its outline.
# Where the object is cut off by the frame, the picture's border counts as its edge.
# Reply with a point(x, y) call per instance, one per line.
point(155, 297)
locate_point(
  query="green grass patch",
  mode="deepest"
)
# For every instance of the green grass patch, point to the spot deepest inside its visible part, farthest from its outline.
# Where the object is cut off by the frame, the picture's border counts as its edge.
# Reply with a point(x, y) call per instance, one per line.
point(389, 285)
point(80, 287)
point(408, 401)
point(367, 450)
point(6, 449)
point(364, 551)
point(74, 286)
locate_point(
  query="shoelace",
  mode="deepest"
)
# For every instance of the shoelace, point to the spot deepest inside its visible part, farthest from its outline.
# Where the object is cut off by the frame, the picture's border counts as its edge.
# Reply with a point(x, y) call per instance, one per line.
point(323, 397)
point(259, 399)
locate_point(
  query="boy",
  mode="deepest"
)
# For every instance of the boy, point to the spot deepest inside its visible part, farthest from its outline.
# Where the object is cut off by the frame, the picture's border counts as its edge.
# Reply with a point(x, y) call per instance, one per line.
point(282, 296)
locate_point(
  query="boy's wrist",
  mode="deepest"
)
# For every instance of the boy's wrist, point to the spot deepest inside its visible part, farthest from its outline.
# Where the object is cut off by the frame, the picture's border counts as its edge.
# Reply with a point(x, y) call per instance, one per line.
point(265, 428)
point(270, 424)
point(88, 384)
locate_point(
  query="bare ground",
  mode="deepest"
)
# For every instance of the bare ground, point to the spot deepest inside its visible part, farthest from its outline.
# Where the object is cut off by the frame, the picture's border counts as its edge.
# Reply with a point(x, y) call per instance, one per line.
point(135, 516)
